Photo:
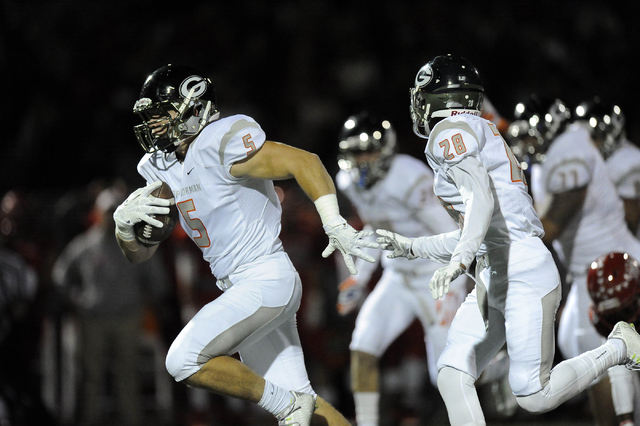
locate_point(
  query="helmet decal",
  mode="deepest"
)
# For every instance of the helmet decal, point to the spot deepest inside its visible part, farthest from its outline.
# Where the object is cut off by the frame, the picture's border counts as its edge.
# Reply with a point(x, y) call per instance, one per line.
point(424, 76)
point(198, 89)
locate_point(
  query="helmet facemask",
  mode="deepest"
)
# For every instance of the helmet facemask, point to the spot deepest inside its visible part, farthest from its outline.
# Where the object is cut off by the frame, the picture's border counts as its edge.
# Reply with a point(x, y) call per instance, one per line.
point(427, 109)
point(172, 109)
point(367, 156)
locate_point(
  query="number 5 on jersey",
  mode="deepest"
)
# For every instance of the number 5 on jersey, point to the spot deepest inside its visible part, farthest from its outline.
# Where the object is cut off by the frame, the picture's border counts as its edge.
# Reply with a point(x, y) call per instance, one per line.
point(195, 224)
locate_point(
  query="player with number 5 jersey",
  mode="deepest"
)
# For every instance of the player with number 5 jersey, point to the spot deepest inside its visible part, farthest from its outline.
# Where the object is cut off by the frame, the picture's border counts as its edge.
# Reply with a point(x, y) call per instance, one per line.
point(517, 290)
point(222, 171)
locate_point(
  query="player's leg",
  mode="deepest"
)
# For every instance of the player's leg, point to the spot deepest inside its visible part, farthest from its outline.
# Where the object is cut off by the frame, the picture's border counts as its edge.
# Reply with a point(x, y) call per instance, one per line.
point(532, 301)
point(470, 347)
point(385, 314)
point(261, 299)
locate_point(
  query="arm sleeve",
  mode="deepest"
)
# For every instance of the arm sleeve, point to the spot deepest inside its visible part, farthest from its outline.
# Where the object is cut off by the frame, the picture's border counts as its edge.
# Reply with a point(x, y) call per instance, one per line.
point(472, 181)
point(438, 248)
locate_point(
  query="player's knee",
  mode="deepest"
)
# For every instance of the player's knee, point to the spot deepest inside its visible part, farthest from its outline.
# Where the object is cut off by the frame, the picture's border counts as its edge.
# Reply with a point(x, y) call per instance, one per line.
point(453, 384)
point(175, 363)
point(536, 403)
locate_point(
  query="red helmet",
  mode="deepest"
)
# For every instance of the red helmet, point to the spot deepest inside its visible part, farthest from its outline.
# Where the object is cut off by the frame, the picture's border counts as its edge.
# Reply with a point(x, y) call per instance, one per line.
point(613, 283)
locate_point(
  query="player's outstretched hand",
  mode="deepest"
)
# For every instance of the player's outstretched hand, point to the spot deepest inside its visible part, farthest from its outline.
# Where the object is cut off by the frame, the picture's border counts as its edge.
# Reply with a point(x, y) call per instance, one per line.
point(399, 245)
point(441, 280)
point(351, 292)
point(137, 208)
point(348, 241)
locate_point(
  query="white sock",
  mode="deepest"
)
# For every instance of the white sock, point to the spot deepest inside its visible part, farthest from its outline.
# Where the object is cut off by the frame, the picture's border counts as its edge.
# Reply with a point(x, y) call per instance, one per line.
point(366, 408)
point(621, 347)
point(274, 398)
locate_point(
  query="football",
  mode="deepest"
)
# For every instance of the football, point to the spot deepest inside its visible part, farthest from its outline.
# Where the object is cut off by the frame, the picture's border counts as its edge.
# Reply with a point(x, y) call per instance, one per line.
point(150, 235)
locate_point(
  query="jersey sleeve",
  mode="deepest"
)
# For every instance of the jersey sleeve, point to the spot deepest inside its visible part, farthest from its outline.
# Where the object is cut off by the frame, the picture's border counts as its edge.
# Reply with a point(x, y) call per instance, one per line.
point(453, 141)
point(239, 138)
point(568, 175)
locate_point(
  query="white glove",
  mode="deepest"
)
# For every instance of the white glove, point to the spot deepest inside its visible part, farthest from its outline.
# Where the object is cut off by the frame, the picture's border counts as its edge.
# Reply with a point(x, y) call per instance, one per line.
point(401, 246)
point(347, 240)
point(441, 280)
point(351, 292)
point(137, 208)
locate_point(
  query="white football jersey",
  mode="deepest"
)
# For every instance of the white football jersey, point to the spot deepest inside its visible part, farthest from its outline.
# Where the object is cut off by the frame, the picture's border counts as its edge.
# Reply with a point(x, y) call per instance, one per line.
point(403, 202)
point(461, 136)
point(623, 167)
point(232, 220)
point(573, 162)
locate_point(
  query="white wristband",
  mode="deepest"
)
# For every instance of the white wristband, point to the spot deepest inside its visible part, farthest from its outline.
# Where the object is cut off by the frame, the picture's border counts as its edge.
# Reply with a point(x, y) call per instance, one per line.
point(327, 206)
point(126, 233)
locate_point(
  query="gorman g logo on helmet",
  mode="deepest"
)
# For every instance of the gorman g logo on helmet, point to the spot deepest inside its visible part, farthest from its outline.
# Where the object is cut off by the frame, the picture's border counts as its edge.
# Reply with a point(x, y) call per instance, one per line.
point(199, 88)
point(424, 76)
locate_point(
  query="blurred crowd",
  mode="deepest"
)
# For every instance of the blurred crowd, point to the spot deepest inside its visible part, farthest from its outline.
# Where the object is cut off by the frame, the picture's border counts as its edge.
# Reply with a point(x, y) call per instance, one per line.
point(299, 68)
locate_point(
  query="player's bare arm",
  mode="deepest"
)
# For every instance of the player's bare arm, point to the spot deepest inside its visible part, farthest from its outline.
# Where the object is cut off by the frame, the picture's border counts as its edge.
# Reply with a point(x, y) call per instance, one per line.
point(277, 161)
point(563, 207)
point(632, 213)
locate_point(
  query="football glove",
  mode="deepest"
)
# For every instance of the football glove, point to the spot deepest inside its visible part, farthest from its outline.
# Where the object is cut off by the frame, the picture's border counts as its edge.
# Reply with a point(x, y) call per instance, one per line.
point(137, 208)
point(399, 245)
point(351, 292)
point(441, 280)
point(347, 240)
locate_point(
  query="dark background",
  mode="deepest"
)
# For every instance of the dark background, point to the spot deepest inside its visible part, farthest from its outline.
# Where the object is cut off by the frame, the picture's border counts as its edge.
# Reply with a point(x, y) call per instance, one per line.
point(72, 69)
point(71, 72)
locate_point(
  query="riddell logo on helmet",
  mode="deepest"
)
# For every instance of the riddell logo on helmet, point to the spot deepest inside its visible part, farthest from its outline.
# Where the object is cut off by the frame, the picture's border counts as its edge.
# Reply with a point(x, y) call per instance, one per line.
point(465, 111)
point(199, 87)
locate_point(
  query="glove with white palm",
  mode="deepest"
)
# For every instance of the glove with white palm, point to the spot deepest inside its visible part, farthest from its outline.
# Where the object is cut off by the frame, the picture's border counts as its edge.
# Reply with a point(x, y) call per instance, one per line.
point(137, 208)
point(441, 280)
point(348, 241)
point(399, 245)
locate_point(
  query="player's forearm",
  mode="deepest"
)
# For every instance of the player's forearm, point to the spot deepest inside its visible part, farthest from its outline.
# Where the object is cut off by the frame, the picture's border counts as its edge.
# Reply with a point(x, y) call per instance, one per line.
point(313, 177)
point(135, 251)
point(438, 248)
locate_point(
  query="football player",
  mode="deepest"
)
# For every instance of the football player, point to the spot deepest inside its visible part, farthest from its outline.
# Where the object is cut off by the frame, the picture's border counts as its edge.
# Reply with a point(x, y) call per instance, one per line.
point(394, 191)
point(221, 171)
point(613, 281)
point(517, 292)
point(606, 123)
point(583, 217)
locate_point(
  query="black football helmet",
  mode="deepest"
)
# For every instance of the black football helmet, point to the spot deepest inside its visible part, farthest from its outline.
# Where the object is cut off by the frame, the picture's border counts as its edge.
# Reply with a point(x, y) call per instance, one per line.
point(367, 146)
point(605, 122)
point(175, 102)
point(537, 123)
point(447, 85)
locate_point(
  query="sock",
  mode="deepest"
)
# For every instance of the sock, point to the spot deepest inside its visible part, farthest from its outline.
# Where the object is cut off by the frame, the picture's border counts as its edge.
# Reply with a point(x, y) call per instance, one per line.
point(366, 408)
point(621, 347)
point(274, 398)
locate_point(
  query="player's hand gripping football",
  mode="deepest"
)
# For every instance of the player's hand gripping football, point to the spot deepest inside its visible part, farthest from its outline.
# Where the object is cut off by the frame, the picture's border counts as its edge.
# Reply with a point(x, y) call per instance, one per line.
point(399, 245)
point(348, 241)
point(351, 292)
point(137, 208)
point(441, 280)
